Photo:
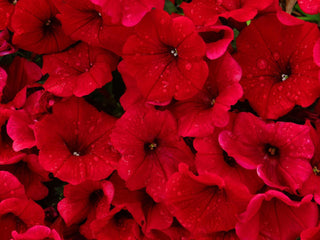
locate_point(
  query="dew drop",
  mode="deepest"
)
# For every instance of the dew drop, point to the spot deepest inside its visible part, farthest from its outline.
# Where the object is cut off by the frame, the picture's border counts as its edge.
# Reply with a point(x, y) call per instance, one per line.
point(276, 56)
point(261, 64)
point(188, 66)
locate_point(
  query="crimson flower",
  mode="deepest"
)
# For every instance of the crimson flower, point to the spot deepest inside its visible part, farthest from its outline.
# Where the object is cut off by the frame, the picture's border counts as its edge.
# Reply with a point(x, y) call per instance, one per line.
point(128, 12)
point(30, 173)
point(211, 158)
point(281, 151)
point(309, 6)
point(207, 12)
point(37, 232)
point(18, 214)
point(74, 142)
point(36, 27)
point(277, 65)
point(150, 148)
point(273, 215)
point(83, 20)
point(20, 75)
point(10, 187)
point(6, 11)
point(206, 203)
point(118, 224)
point(198, 116)
point(165, 57)
point(85, 201)
point(78, 71)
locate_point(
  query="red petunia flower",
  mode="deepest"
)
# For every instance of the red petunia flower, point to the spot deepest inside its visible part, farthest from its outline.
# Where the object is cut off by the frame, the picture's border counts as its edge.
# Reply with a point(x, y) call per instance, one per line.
point(36, 27)
point(128, 12)
point(83, 20)
point(78, 71)
point(10, 187)
point(18, 129)
point(217, 39)
point(151, 216)
point(281, 151)
point(6, 11)
point(151, 149)
point(31, 175)
point(198, 116)
point(76, 148)
point(20, 75)
point(20, 124)
point(273, 215)
point(207, 12)
point(5, 47)
point(277, 64)
point(309, 6)
point(211, 158)
point(207, 203)
point(165, 57)
point(86, 201)
point(316, 53)
point(310, 233)
point(18, 214)
point(37, 232)
point(8, 156)
point(118, 224)
point(311, 185)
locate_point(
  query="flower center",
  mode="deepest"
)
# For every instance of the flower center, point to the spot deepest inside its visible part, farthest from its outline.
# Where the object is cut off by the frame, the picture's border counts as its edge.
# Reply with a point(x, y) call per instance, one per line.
point(271, 150)
point(96, 196)
point(48, 23)
point(76, 154)
point(284, 77)
point(213, 101)
point(150, 147)
point(316, 171)
point(14, 2)
point(174, 52)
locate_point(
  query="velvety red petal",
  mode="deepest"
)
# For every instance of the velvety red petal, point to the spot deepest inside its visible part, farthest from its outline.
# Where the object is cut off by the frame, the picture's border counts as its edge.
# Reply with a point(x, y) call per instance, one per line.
point(309, 6)
point(206, 203)
point(37, 232)
point(266, 211)
point(78, 71)
point(10, 186)
point(128, 12)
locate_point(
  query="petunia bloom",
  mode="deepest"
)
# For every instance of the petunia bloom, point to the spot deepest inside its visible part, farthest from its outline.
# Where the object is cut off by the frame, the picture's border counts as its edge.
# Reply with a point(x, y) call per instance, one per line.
point(198, 116)
point(36, 27)
point(18, 214)
point(277, 65)
point(74, 142)
point(151, 149)
point(309, 6)
point(128, 12)
point(206, 203)
point(165, 57)
point(37, 232)
point(83, 20)
point(273, 215)
point(79, 70)
point(207, 12)
point(280, 152)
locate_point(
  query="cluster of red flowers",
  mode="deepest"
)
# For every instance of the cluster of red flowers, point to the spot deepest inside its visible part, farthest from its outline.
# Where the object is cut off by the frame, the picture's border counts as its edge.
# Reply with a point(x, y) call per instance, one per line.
point(122, 121)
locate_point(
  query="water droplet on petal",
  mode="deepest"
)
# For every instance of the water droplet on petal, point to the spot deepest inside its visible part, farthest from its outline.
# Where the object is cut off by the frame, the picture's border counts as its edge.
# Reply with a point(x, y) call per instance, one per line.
point(188, 66)
point(261, 64)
